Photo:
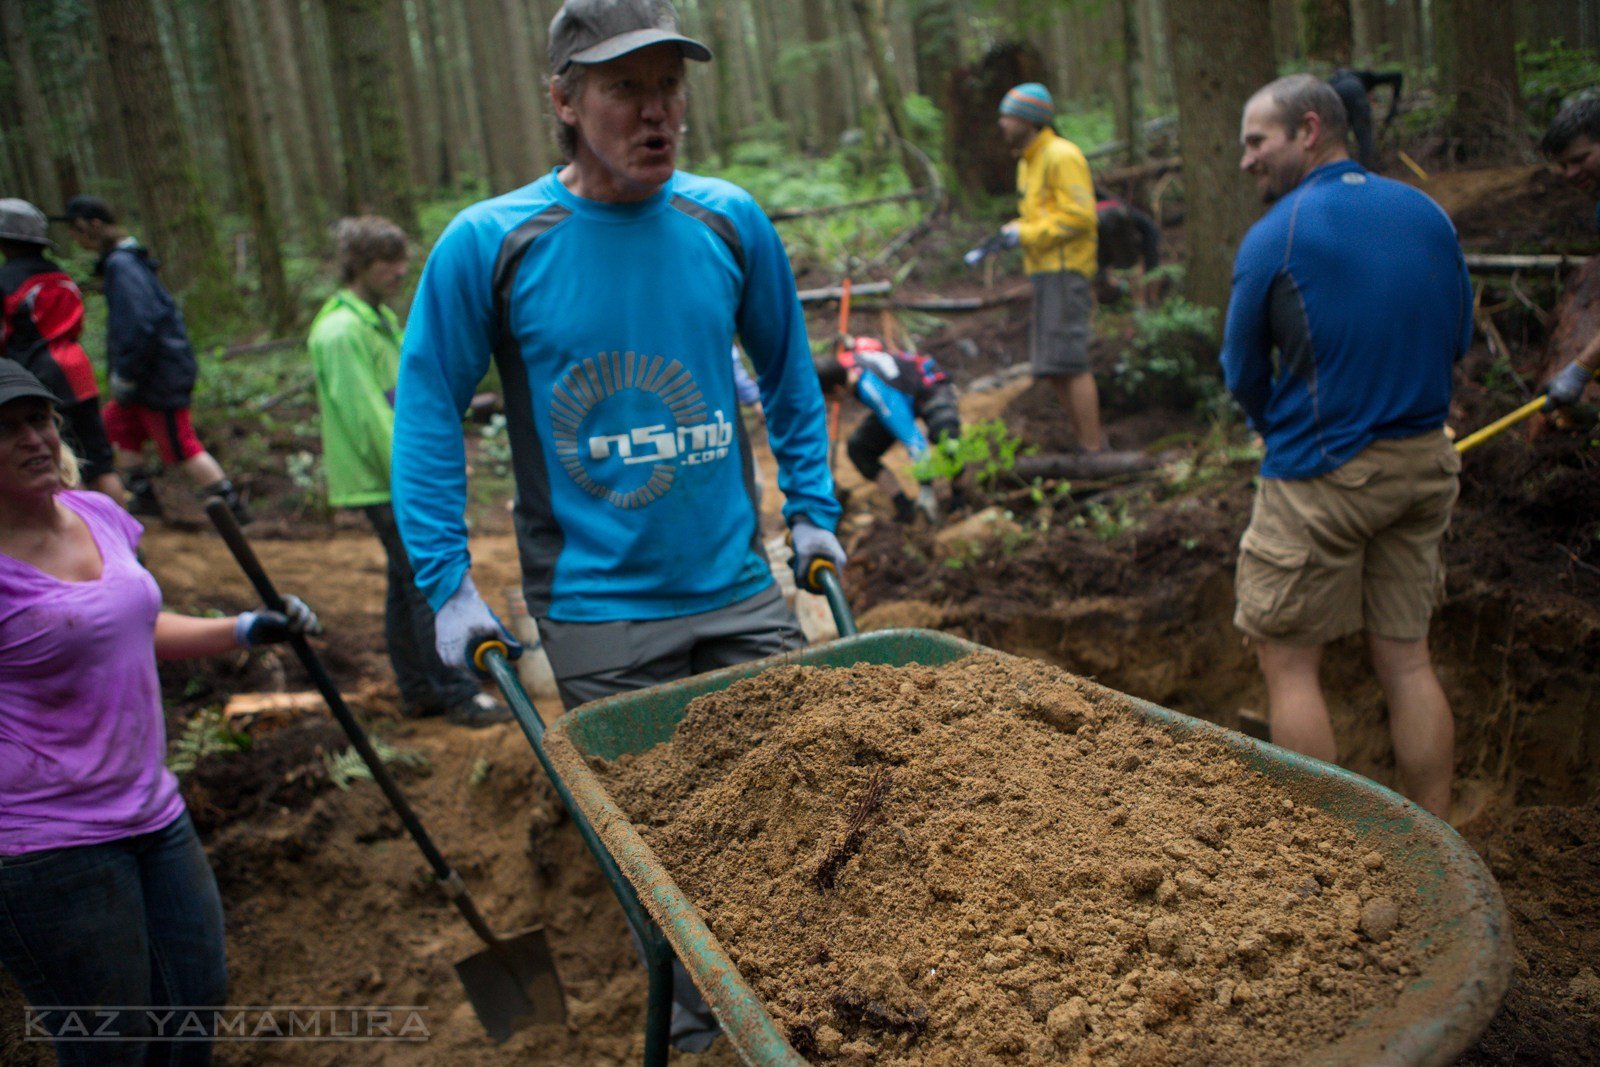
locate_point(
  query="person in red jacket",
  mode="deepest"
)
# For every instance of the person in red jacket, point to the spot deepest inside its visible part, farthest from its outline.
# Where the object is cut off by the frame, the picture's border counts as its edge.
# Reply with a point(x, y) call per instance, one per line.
point(41, 316)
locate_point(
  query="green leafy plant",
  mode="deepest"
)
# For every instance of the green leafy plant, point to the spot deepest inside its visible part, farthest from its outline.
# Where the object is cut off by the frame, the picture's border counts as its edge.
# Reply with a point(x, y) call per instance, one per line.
point(348, 766)
point(988, 449)
point(205, 734)
point(1172, 360)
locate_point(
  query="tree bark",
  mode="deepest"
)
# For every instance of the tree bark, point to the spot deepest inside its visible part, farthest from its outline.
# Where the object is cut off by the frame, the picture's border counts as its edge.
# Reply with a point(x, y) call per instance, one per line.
point(437, 99)
point(366, 88)
point(527, 136)
point(869, 17)
point(229, 35)
point(308, 30)
point(1325, 30)
point(495, 116)
point(412, 127)
point(1130, 84)
point(1475, 41)
point(828, 117)
point(1211, 96)
point(36, 154)
point(175, 210)
point(299, 144)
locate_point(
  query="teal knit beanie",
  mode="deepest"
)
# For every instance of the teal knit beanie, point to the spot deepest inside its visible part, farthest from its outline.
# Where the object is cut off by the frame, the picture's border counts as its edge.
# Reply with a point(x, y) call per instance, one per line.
point(1030, 102)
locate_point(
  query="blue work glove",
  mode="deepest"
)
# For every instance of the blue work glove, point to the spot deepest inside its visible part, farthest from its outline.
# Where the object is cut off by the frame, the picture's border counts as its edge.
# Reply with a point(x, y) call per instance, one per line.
point(123, 390)
point(812, 542)
point(1568, 384)
point(465, 622)
point(266, 627)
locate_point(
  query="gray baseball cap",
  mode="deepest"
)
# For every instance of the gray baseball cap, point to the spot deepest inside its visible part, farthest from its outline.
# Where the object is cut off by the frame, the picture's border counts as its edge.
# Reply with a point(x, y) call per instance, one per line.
point(594, 31)
point(21, 221)
point(17, 384)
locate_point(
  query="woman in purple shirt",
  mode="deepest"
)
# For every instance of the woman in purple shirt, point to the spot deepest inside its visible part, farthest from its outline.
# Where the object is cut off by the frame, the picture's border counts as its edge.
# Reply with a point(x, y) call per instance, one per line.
point(106, 899)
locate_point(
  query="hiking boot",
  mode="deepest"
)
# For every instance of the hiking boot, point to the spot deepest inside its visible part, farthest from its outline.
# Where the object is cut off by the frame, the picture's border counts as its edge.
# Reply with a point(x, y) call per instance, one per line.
point(905, 513)
point(230, 496)
point(142, 500)
point(474, 712)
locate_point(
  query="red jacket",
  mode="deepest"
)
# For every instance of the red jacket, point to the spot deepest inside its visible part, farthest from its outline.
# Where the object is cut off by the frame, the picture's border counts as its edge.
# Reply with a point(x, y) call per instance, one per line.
point(43, 316)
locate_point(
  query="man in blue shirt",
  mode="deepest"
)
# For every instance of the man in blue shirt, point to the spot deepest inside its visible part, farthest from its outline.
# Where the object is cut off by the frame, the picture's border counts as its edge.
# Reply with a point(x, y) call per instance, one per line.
point(609, 293)
point(1573, 143)
point(1350, 306)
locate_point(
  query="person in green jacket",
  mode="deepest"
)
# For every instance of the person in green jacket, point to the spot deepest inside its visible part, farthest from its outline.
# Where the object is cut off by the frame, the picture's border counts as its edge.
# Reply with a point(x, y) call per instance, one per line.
point(355, 355)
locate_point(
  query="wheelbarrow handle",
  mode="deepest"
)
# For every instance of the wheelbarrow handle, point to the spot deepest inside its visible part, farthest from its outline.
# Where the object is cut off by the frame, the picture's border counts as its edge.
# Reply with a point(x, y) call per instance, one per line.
point(825, 576)
point(222, 518)
point(1532, 407)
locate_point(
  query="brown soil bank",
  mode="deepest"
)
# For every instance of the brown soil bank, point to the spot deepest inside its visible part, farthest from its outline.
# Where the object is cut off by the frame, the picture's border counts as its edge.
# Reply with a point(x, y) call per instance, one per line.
point(924, 865)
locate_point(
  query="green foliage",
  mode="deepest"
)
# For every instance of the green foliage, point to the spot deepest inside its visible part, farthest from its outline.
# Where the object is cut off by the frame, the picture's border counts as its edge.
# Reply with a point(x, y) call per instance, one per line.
point(1172, 360)
point(1104, 523)
point(348, 766)
point(1550, 74)
point(1086, 126)
point(205, 734)
point(989, 449)
point(495, 446)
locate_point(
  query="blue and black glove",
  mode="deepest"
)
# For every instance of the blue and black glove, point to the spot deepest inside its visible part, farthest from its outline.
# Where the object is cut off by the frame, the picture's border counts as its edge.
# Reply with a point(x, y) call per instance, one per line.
point(266, 627)
point(1568, 384)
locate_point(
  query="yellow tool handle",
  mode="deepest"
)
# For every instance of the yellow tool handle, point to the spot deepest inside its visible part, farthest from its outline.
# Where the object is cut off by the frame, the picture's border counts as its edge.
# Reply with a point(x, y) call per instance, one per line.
point(1530, 408)
point(814, 572)
point(480, 655)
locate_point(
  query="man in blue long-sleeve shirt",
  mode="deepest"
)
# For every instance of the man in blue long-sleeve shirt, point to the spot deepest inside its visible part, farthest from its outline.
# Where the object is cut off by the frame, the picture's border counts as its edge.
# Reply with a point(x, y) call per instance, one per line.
point(1350, 306)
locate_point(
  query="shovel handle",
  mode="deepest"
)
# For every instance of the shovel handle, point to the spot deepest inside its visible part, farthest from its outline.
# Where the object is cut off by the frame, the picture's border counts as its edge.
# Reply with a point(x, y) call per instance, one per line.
point(1473, 440)
point(222, 518)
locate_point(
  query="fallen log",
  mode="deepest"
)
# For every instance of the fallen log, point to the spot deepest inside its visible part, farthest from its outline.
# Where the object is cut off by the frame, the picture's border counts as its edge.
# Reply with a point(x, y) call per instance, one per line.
point(1071, 465)
point(835, 292)
point(784, 214)
point(1490, 263)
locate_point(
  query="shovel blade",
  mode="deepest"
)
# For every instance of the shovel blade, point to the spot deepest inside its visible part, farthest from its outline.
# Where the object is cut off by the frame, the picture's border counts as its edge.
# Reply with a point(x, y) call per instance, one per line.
point(513, 983)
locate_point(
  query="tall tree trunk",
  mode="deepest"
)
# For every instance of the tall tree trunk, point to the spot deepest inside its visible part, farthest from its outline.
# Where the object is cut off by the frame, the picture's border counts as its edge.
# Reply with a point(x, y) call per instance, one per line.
point(829, 118)
point(309, 30)
point(1130, 68)
point(1211, 96)
point(936, 30)
point(1325, 30)
point(869, 17)
point(230, 43)
point(285, 61)
point(1475, 42)
point(412, 127)
point(528, 138)
point(489, 82)
point(367, 90)
point(175, 210)
point(36, 155)
point(437, 99)
point(265, 108)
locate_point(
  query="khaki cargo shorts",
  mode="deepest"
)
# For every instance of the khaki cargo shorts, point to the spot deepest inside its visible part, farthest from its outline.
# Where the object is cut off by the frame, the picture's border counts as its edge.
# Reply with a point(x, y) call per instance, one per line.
point(1354, 549)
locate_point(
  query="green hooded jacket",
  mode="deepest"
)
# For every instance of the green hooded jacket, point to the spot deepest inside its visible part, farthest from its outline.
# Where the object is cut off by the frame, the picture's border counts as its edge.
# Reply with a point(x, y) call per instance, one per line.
point(355, 355)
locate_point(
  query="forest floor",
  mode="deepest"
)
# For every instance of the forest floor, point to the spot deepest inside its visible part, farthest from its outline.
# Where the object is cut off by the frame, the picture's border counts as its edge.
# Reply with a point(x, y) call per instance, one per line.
point(1129, 583)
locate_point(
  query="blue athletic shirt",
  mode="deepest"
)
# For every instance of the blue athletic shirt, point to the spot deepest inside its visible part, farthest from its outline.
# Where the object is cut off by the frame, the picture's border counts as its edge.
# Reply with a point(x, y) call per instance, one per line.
point(1359, 284)
point(893, 409)
point(611, 326)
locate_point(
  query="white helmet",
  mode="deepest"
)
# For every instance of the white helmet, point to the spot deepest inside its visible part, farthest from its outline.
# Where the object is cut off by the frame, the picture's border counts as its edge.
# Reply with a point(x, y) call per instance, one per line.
point(21, 221)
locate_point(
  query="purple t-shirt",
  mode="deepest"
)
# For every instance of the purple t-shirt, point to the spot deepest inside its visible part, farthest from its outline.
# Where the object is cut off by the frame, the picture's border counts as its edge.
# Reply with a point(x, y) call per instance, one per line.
point(82, 739)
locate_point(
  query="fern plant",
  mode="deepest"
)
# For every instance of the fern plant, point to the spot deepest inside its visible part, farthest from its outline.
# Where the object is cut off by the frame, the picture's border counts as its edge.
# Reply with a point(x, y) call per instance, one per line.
point(348, 766)
point(205, 734)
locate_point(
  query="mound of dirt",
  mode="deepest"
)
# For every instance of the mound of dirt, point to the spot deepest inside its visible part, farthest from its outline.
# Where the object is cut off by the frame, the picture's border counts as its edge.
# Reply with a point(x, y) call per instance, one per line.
point(1515, 209)
point(1100, 890)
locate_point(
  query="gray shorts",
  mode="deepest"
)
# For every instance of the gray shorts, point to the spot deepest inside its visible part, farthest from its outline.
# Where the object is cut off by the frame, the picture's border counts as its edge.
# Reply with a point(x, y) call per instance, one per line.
point(600, 659)
point(1063, 307)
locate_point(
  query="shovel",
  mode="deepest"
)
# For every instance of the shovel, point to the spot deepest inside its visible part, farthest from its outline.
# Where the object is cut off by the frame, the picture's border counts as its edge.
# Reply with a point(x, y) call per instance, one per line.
point(511, 982)
point(1527, 410)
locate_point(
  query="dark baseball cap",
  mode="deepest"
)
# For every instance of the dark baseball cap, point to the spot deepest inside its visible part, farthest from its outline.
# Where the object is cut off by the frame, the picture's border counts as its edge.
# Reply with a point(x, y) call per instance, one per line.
point(87, 207)
point(595, 31)
point(17, 384)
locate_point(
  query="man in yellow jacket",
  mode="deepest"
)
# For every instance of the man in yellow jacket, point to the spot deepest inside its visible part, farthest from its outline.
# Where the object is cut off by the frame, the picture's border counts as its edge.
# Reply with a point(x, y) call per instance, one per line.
point(1057, 232)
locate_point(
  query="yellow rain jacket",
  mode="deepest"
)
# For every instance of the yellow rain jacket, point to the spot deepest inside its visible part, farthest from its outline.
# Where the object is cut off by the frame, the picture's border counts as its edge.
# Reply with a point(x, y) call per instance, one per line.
point(1057, 227)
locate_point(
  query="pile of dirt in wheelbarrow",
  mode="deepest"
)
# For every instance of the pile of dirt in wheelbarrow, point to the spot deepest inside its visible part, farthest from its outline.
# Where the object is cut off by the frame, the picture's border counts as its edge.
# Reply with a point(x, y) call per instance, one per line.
point(996, 859)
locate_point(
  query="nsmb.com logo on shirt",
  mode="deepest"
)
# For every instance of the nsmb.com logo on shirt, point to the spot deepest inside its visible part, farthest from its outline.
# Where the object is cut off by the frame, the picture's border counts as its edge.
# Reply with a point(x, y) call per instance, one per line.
point(623, 424)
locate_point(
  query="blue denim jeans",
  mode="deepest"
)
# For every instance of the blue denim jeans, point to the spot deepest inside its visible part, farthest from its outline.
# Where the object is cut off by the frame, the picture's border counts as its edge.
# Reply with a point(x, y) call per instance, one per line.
point(426, 684)
point(130, 923)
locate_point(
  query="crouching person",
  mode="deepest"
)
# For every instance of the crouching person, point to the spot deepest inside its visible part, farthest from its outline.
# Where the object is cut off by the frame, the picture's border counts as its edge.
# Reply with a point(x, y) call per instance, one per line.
point(898, 388)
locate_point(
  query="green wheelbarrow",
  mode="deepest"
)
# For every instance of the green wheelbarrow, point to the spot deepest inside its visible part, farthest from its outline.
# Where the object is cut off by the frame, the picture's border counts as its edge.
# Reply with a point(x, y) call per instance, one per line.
point(1438, 1016)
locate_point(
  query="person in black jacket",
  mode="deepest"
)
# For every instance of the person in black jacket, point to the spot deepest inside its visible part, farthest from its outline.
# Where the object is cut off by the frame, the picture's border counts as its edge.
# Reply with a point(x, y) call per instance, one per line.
point(151, 364)
point(1353, 87)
